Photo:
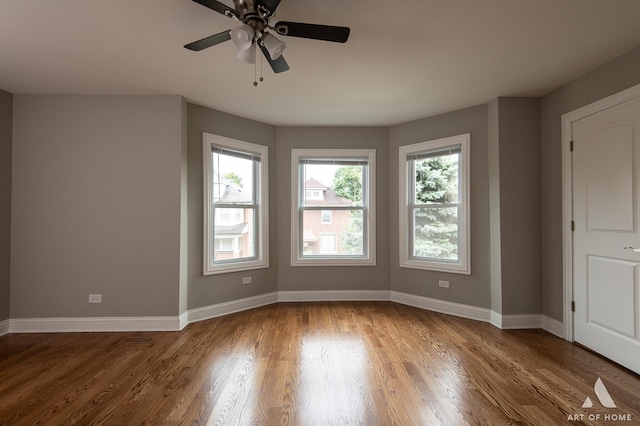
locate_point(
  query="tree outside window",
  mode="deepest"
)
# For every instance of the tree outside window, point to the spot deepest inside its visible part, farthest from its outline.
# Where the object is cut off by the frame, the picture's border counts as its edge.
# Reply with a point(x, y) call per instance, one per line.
point(436, 211)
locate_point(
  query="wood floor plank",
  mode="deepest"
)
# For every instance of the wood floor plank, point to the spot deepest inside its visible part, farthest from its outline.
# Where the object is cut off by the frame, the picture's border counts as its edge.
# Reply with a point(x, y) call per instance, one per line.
point(371, 363)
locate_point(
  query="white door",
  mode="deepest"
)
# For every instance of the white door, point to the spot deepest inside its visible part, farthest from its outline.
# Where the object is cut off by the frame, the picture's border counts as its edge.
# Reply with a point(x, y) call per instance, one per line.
point(606, 200)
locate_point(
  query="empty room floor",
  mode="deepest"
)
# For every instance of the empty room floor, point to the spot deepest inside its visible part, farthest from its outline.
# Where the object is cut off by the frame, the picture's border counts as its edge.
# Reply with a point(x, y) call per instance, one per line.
point(346, 363)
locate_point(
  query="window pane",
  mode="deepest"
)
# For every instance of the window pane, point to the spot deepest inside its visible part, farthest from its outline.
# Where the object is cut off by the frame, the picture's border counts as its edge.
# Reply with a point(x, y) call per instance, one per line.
point(436, 180)
point(233, 179)
point(332, 185)
point(436, 233)
point(345, 227)
point(234, 234)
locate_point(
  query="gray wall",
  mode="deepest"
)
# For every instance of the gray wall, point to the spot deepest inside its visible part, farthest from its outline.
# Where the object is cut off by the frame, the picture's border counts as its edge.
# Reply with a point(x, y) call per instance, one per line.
point(213, 289)
point(304, 278)
point(102, 191)
point(514, 186)
point(615, 76)
point(96, 206)
point(6, 108)
point(471, 289)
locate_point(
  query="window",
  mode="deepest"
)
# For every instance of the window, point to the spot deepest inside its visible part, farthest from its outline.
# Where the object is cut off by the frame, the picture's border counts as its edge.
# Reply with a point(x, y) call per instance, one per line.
point(333, 214)
point(434, 205)
point(313, 194)
point(225, 244)
point(235, 205)
point(328, 243)
point(326, 217)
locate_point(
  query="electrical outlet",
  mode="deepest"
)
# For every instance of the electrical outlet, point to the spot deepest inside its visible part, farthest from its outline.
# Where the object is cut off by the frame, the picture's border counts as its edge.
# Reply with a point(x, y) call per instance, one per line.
point(95, 298)
point(444, 284)
point(246, 280)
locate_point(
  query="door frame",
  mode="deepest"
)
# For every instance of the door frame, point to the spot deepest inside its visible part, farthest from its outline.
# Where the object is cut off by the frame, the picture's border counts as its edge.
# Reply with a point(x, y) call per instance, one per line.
point(567, 193)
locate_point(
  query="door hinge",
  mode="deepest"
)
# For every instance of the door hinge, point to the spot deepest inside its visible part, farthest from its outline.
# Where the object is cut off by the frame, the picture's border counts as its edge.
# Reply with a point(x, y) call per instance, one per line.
point(573, 306)
point(571, 146)
point(573, 225)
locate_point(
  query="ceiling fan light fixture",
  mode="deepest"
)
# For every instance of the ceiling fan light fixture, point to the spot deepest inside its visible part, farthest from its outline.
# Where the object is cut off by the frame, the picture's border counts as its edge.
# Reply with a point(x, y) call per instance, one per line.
point(274, 46)
point(256, 28)
point(248, 55)
point(242, 36)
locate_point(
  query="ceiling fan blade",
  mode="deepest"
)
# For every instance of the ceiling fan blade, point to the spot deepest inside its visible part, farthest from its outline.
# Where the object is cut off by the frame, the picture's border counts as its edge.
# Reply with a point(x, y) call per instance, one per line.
point(271, 5)
point(220, 8)
point(278, 65)
point(209, 41)
point(313, 31)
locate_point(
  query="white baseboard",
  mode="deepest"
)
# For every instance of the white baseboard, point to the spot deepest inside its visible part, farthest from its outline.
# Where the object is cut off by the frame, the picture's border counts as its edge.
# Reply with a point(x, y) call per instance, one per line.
point(226, 308)
point(334, 296)
point(60, 325)
point(495, 319)
point(516, 322)
point(451, 308)
point(4, 327)
point(97, 324)
point(184, 320)
point(553, 326)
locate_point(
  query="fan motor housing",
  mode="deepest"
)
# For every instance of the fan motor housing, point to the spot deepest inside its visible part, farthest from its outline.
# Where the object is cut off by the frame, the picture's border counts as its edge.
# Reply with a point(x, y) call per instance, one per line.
point(257, 24)
point(245, 7)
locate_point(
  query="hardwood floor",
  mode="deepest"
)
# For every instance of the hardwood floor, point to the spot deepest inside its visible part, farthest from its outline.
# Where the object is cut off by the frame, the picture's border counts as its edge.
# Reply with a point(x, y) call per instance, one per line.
point(372, 363)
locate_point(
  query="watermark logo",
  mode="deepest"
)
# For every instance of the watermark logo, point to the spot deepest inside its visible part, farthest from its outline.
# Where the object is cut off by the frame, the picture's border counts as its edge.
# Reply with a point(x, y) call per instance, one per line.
point(603, 396)
point(606, 401)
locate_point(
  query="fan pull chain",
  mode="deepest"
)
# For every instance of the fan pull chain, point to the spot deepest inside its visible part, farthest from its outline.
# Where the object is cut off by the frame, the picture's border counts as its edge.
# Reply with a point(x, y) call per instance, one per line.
point(261, 79)
point(255, 71)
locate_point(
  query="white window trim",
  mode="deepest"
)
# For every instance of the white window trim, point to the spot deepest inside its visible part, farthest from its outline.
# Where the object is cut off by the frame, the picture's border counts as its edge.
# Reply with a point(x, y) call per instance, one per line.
point(463, 266)
point(370, 236)
point(262, 261)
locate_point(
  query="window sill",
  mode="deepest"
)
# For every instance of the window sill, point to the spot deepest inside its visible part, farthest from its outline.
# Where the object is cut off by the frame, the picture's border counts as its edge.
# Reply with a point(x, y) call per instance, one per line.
point(454, 268)
point(235, 267)
point(333, 262)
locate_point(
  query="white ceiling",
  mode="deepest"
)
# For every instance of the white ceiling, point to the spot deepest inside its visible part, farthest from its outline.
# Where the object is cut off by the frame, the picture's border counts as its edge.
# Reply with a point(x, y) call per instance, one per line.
point(404, 60)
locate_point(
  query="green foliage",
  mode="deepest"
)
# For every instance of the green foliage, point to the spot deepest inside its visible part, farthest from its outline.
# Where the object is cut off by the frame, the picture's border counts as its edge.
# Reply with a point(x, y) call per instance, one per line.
point(436, 233)
point(437, 180)
point(353, 239)
point(436, 226)
point(347, 183)
point(233, 177)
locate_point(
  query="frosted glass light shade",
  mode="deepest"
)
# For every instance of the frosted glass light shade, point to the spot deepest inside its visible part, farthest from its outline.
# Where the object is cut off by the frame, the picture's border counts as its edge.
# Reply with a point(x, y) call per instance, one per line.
point(274, 46)
point(242, 36)
point(248, 55)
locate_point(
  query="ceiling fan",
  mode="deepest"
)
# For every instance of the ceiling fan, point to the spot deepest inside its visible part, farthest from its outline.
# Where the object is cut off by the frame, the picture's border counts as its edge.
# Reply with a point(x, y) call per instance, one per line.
point(256, 30)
